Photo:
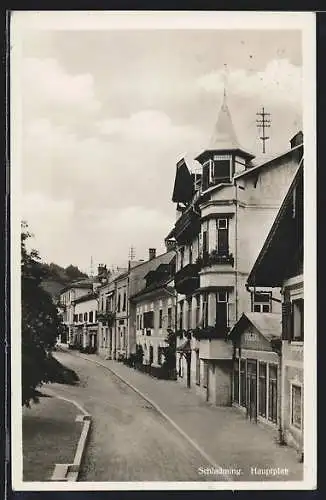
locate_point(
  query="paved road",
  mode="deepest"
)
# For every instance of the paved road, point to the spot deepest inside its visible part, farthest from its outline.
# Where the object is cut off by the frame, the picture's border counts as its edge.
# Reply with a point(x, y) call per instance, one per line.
point(130, 440)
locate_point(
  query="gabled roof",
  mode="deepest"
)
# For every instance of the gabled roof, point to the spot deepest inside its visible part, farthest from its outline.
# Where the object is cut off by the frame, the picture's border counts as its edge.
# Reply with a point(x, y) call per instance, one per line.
point(284, 243)
point(268, 324)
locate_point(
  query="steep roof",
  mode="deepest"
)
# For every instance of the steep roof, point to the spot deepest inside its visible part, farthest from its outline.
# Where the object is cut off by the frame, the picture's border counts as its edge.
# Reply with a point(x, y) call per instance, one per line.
point(224, 136)
point(268, 324)
point(284, 243)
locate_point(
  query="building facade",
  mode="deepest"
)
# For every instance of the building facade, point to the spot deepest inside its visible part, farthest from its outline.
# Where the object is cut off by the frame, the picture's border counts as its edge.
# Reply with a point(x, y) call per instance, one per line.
point(85, 326)
point(219, 209)
point(155, 314)
point(280, 264)
point(68, 295)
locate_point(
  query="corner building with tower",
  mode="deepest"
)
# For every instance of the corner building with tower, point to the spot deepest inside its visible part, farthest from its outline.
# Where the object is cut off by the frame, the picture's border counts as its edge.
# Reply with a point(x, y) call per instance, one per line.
point(224, 212)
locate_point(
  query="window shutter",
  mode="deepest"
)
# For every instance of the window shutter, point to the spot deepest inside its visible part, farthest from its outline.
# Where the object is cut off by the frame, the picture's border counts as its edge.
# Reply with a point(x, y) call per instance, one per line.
point(205, 176)
point(287, 320)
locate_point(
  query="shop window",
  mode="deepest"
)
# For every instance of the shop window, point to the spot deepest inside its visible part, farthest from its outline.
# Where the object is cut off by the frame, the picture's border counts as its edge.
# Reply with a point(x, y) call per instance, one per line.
point(91, 316)
point(170, 317)
point(272, 394)
point(262, 389)
point(222, 231)
point(243, 386)
point(296, 406)
point(160, 318)
point(205, 374)
point(151, 354)
point(261, 302)
point(159, 355)
point(197, 368)
point(236, 380)
point(297, 319)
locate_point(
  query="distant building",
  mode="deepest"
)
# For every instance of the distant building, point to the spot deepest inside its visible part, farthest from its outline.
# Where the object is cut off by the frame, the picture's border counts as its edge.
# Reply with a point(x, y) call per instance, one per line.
point(85, 326)
point(280, 264)
point(224, 213)
point(68, 295)
point(155, 311)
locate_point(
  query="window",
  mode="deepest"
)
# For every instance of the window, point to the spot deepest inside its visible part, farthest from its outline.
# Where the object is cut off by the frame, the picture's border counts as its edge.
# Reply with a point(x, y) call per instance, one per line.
point(80, 317)
point(180, 367)
point(272, 393)
point(236, 381)
point(189, 312)
point(205, 175)
point(124, 301)
point(222, 169)
point(141, 321)
point(243, 386)
point(169, 317)
point(261, 302)
point(190, 254)
point(296, 406)
point(159, 355)
point(149, 319)
point(182, 256)
point(197, 310)
point(118, 305)
point(222, 230)
point(221, 309)
point(151, 354)
point(197, 368)
point(205, 310)
point(297, 319)
point(205, 243)
point(181, 315)
point(160, 318)
point(75, 318)
point(85, 316)
point(205, 374)
point(91, 316)
point(262, 389)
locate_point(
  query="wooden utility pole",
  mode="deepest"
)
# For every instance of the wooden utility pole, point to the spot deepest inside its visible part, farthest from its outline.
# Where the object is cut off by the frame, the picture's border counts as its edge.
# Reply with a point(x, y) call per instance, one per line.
point(262, 124)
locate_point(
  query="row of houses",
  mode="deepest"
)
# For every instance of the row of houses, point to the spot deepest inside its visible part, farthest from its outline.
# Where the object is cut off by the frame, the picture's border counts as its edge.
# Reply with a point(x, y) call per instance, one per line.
point(229, 286)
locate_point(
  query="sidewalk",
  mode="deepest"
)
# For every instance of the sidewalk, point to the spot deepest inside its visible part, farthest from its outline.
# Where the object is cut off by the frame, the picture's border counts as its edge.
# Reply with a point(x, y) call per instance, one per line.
point(222, 432)
point(50, 437)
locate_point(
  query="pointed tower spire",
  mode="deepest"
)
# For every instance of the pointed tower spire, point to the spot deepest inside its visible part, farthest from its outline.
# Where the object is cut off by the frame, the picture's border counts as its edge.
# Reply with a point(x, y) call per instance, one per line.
point(224, 136)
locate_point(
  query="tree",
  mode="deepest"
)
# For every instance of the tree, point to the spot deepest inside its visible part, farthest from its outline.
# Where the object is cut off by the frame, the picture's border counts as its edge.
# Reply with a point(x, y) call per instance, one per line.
point(40, 324)
point(74, 273)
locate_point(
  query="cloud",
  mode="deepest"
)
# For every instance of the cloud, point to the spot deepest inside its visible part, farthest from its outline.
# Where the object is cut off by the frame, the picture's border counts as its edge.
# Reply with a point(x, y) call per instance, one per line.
point(280, 82)
point(48, 87)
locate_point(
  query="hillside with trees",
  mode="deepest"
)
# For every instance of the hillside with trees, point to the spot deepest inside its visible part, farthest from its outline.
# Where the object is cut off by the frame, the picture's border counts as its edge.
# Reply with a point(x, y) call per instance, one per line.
point(56, 277)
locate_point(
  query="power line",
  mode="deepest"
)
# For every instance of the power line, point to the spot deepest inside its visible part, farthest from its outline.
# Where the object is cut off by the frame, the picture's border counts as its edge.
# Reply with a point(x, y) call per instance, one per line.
point(262, 124)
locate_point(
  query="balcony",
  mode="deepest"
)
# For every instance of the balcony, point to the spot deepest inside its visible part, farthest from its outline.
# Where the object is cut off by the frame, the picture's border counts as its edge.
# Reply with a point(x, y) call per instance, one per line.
point(187, 226)
point(106, 317)
point(213, 344)
point(186, 280)
point(211, 332)
point(216, 258)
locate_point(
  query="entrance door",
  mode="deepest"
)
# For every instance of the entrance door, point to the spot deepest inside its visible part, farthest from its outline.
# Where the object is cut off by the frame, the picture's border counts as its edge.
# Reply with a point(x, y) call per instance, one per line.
point(252, 390)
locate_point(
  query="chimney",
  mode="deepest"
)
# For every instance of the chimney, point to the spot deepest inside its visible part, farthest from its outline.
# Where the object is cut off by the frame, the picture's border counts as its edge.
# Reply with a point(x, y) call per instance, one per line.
point(297, 139)
point(101, 270)
point(151, 253)
point(170, 245)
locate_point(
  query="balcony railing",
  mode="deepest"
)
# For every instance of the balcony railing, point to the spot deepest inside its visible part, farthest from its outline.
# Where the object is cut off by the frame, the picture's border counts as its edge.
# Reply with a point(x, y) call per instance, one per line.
point(211, 332)
point(186, 280)
point(215, 258)
point(187, 226)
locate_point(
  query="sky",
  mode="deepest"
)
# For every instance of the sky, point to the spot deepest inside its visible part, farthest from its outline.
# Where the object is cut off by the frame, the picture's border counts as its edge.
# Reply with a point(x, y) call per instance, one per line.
point(106, 115)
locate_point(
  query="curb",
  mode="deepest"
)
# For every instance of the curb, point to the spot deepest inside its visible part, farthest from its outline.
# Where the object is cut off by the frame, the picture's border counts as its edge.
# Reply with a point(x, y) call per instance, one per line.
point(161, 412)
point(70, 472)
